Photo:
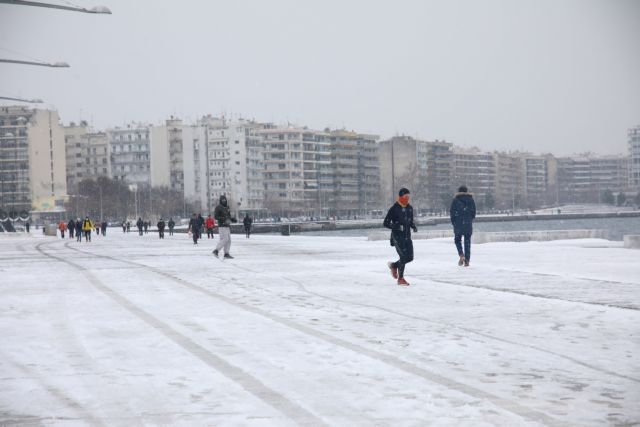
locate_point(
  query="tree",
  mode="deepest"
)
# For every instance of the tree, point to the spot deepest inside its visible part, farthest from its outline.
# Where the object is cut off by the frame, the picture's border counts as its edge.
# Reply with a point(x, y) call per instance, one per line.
point(622, 198)
point(489, 202)
point(607, 197)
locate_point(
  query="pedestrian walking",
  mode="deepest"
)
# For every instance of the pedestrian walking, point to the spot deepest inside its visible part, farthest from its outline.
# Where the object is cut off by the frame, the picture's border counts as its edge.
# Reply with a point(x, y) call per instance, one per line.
point(201, 224)
point(27, 225)
point(128, 226)
point(247, 221)
point(97, 226)
point(462, 213)
point(146, 226)
point(209, 224)
point(103, 228)
point(78, 230)
point(171, 225)
point(87, 226)
point(139, 224)
point(400, 220)
point(71, 226)
point(161, 228)
point(222, 215)
point(62, 226)
point(194, 228)
point(124, 227)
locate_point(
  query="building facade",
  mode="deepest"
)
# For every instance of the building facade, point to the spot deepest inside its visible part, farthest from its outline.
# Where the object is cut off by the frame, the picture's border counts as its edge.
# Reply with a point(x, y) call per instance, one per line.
point(633, 138)
point(32, 160)
point(130, 153)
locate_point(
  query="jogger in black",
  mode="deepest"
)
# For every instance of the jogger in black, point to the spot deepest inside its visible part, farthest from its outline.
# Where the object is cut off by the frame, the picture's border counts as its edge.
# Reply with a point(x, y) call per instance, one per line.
point(400, 220)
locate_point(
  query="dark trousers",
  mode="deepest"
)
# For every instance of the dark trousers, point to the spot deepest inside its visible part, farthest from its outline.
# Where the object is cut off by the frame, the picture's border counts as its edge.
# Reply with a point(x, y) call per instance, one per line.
point(140, 231)
point(404, 247)
point(161, 233)
point(71, 233)
point(195, 236)
point(171, 232)
point(209, 233)
point(87, 236)
point(62, 233)
point(79, 235)
point(248, 231)
point(467, 245)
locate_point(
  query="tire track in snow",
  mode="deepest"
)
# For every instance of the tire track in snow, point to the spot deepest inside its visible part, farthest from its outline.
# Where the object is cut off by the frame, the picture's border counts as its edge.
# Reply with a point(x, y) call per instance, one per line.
point(408, 367)
point(237, 375)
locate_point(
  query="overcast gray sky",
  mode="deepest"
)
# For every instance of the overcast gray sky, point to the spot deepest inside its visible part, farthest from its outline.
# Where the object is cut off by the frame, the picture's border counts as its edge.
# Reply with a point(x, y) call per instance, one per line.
point(560, 76)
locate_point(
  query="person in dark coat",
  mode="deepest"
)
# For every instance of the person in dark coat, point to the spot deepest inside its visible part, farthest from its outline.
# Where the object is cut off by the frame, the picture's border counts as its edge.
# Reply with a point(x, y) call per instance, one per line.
point(146, 226)
point(223, 217)
point(462, 212)
point(103, 228)
point(247, 221)
point(400, 220)
point(71, 226)
point(78, 230)
point(161, 228)
point(194, 228)
point(27, 225)
point(171, 225)
point(139, 224)
point(201, 222)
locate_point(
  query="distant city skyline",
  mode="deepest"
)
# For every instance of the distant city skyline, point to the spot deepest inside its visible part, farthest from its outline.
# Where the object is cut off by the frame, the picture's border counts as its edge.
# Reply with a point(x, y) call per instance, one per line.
point(537, 76)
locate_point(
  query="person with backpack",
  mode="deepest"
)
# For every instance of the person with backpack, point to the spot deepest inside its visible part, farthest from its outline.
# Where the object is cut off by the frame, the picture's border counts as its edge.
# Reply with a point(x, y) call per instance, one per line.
point(87, 226)
point(247, 221)
point(209, 224)
point(462, 213)
point(194, 228)
point(400, 220)
point(161, 228)
point(222, 215)
point(62, 226)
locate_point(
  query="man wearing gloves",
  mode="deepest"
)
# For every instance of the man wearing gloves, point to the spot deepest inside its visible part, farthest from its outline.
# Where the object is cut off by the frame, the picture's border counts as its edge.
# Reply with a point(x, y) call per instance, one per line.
point(400, 220)
point(222, 215)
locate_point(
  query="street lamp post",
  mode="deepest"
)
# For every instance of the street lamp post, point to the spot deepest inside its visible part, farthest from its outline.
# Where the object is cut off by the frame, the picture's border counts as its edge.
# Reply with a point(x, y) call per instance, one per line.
point(39, 63)
point(96, 9)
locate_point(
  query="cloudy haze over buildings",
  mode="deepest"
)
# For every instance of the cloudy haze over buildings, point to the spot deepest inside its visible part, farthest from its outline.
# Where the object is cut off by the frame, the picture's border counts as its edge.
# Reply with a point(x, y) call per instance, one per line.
point(541, 76)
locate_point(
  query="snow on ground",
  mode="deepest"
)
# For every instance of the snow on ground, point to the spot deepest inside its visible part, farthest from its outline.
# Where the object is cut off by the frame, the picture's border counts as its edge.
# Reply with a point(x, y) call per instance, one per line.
point(302, 330)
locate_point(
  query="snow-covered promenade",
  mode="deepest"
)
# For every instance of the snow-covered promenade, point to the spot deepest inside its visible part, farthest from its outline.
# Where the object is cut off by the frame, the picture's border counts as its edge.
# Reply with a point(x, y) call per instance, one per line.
point(304, 330)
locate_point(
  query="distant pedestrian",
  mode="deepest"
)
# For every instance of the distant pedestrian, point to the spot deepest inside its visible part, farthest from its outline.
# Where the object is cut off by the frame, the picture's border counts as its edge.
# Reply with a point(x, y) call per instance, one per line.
point(26, 226)
point(62, 226)
point(201, 224)
point(146, 226)
point(128, 226)
point(87, 226)
point(247, 221)
point(222, 215)
point(78, 230)
point(462, 213)
point(97, 226)
point(209, 224)
point(194, 228)
point(124, 227)
point(103, 228)
point(139, 224)
point(171, 225)
point(71, 226)
point(400, 220)
point(161, 228)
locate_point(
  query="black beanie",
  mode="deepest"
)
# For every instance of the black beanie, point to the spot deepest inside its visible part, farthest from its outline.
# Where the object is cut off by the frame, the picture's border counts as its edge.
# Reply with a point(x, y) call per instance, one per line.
point(462, 189)
point(403, 191)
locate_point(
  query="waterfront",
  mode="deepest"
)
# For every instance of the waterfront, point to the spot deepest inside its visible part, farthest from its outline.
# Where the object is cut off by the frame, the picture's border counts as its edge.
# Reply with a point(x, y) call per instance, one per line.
point(617, 227)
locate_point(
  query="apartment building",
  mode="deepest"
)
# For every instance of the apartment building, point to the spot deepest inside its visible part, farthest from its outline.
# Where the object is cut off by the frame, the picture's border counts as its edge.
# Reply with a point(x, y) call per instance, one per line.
point(476, 170)
point(32, 160)
point(296, 162)
point(130, 153)
point(352, 174)
point(509, 189)
point(584, 178)
point(87, 154)
point(633, 137)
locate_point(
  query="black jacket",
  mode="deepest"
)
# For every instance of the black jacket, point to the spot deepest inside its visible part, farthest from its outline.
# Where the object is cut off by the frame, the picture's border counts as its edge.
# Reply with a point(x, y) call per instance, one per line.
point(400, 221)
point(247, 221)
point(462, 213)
point(160, 225)
point(222, 215)
point(171, 223)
